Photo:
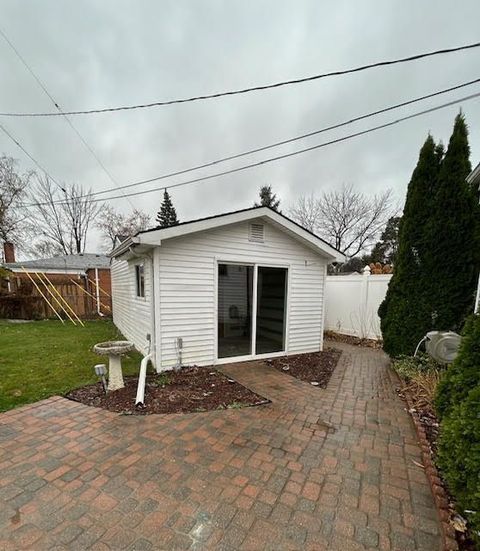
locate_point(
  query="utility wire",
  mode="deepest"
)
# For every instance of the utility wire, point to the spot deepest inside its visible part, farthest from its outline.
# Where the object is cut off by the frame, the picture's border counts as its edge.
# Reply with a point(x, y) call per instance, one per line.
point(61, 112)
point(291, 154)
point(290, 140)
point(18, 144)
point(250, 89)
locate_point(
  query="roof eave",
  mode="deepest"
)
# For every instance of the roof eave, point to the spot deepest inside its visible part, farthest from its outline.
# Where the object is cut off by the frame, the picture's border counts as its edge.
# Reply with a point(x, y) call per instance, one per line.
point(123, 247)
point(155, 237)
point(125, 250)
point(308, 238)
point(474, 176)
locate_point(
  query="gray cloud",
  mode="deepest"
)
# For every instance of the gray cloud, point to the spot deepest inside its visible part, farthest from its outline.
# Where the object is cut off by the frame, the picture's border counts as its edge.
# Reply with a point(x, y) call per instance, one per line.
point(95, 54)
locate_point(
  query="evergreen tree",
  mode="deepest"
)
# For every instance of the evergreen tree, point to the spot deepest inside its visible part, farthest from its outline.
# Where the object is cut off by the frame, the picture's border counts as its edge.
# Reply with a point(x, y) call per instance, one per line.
point(457, 404)
point(385, 250)
point(405, 313)
point(167, 215)
point(453, 231)
point(268, 198)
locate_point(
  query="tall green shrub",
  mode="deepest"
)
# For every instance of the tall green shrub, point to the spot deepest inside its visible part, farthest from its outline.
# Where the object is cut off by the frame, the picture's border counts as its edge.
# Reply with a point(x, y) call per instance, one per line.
point(435, 275)
point(458, 405)
point(464, 374)
point(452, 225)
point(459, 457)
point(405, 313)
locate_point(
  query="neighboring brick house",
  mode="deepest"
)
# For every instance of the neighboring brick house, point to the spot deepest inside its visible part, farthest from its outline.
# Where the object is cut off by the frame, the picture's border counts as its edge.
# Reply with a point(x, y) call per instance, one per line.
point(67, 273)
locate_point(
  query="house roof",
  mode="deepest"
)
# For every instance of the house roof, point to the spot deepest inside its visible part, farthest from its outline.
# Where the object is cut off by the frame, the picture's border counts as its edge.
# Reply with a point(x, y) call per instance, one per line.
point(154, 236)
point(474, 176)
point(79, 262)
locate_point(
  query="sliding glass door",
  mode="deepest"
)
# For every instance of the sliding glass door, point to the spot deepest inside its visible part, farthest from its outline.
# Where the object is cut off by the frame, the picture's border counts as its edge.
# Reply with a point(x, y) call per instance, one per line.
point(271, 308)
point(235, 298)
point(251, 310)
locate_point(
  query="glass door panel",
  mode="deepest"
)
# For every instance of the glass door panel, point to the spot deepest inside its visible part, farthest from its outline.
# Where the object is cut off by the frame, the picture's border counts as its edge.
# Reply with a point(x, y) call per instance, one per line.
point(271, 307)
point(235, 296)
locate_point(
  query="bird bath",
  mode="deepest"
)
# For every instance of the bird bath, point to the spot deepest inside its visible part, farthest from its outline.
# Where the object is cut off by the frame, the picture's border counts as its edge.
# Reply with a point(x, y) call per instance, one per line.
point(114, 350)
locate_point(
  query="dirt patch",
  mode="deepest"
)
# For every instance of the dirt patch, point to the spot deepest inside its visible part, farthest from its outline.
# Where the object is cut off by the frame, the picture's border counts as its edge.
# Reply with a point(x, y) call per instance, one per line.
point(316, 367)
point(354, 341)
point(192, 389)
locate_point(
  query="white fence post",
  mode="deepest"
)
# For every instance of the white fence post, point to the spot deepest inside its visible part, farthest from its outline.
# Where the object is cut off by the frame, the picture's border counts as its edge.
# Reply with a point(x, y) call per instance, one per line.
point(363, 314)
point(364, 294)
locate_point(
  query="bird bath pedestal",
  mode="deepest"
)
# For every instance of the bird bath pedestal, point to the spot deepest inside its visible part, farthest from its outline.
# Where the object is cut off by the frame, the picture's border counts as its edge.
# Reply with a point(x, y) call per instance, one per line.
point(114, 350)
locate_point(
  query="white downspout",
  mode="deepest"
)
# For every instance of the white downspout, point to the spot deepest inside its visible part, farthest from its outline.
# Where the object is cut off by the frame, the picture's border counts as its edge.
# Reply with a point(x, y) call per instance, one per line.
point(97, 293)
point(153, 298)
point(140, 398)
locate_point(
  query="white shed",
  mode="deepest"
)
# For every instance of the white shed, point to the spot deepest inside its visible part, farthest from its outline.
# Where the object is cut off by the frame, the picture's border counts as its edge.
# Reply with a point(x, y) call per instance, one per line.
point(241, 285)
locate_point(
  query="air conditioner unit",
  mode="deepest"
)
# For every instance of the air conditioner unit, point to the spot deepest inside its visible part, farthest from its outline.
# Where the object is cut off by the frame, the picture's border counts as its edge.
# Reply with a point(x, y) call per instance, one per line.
point(442, 345)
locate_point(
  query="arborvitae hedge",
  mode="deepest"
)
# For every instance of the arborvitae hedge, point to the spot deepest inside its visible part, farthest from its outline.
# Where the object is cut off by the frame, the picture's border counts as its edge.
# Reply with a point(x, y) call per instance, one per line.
point(459, 457)
point(405, 313)
point(435, 274)
point(464, 373)
point(458, 405)
point(453, 266)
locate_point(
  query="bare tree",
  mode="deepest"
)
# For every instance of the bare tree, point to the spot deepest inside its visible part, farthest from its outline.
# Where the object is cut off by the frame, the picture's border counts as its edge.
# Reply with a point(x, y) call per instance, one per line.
point(13, 190)
point(306, 211)
point(61, 218)
point(347, 219)
point(113, 223)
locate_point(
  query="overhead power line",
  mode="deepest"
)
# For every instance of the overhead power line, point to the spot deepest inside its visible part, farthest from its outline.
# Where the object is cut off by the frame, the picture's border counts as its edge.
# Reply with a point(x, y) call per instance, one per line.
point(287, 155)
point(290, 140)
point(252, 88)
point(19, 145)
point(60, 111)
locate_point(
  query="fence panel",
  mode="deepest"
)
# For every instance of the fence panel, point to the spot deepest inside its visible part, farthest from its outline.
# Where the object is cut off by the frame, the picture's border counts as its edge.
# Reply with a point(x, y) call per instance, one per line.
point(26, 302)
point(351, 304)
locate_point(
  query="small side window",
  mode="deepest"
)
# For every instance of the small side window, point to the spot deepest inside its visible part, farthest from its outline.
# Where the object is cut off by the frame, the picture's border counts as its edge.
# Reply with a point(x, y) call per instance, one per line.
point(139, 280)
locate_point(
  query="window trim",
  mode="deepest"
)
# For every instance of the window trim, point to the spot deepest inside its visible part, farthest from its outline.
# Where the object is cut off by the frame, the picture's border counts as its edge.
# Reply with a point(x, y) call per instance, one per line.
point(140, 280)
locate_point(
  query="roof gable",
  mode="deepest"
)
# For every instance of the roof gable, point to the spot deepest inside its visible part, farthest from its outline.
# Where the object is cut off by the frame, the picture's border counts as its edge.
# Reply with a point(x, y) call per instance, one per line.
point(155, 236)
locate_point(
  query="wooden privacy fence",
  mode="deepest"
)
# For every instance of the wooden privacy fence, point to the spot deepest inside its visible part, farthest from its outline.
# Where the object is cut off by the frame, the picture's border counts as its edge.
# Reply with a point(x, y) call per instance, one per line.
point(43, 296)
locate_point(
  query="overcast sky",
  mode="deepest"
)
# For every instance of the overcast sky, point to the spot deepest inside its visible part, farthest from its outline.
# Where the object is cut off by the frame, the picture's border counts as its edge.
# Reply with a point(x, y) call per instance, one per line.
point(96, 54)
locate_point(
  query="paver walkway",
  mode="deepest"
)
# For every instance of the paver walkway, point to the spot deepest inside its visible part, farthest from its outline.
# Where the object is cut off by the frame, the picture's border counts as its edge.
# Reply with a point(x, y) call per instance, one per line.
point(270, 477)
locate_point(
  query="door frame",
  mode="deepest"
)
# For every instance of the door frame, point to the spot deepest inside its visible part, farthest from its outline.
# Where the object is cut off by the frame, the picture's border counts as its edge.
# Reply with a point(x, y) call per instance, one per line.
point(256, 265)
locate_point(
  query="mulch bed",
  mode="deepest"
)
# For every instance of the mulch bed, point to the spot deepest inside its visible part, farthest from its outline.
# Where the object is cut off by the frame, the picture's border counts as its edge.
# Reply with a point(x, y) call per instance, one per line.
point(427, 426)
point(192, 389)
point(315, 368)
point(355, 341)
point(422, 411)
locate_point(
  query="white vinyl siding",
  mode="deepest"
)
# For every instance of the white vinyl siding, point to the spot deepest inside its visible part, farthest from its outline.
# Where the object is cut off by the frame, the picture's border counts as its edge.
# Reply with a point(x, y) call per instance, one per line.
point(131, 314)
point(187, 280)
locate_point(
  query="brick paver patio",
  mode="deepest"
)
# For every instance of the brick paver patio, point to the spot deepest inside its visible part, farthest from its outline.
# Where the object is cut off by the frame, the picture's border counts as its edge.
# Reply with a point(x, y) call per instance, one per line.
point(315, 469)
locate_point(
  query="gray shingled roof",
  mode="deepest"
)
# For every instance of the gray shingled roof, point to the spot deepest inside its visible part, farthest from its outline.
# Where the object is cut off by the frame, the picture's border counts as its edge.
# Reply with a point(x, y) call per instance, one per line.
point(65, 262)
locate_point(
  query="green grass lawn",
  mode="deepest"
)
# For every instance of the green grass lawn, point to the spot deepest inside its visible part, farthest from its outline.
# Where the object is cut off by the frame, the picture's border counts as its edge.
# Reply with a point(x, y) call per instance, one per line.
point(43, 358)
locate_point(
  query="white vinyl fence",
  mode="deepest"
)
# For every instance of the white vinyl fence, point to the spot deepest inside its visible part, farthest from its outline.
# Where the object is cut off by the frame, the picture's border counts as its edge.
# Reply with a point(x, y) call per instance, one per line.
point(352, 302)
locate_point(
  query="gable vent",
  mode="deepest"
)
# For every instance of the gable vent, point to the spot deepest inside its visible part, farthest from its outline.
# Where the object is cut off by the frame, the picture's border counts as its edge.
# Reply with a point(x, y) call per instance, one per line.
point(256, 233)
